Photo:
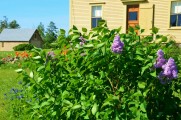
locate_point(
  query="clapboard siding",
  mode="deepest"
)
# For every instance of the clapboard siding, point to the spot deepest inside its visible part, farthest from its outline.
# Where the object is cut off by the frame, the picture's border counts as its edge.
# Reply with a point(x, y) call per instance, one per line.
point(162, 19)
point(114, 12)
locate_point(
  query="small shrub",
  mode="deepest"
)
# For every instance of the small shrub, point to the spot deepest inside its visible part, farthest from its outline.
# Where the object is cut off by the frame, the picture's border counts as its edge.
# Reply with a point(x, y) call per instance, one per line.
point(22, 47)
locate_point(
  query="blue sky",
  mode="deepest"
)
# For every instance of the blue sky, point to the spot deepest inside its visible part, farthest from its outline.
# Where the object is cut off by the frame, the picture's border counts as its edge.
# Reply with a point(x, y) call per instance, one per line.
point(29, 13)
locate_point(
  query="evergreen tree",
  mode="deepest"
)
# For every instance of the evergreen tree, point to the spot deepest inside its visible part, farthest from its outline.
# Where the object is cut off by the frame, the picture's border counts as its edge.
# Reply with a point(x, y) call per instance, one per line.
point(51, 34)
point(4, 24)
point(41, 30)
point(13, 24)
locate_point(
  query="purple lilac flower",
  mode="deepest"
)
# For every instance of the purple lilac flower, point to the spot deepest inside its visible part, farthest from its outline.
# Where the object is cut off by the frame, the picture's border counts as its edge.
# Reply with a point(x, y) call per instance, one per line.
point(117, 46)
point(83, 41)
point(170, 69)
point(160, 53)
point(51, 54)
point(169, 72)
point(160, 61)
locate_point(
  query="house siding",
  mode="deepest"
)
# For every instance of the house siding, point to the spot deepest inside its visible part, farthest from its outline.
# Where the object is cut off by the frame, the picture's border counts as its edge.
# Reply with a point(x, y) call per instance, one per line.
point(151, 13)
point(162, 19)
point(8, 46)
point(36, 40)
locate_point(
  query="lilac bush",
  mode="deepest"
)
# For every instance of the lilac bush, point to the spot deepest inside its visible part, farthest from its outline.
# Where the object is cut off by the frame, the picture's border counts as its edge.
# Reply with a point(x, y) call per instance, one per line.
point(94, 84)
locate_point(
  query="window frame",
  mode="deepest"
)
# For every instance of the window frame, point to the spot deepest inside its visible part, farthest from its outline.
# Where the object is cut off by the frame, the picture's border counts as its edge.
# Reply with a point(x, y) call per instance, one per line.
point(99, 5)
point(177, 14)
point(2, 44)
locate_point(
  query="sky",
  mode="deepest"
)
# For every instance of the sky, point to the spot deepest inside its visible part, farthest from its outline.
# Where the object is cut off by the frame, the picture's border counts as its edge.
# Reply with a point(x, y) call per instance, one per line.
point(29, 13)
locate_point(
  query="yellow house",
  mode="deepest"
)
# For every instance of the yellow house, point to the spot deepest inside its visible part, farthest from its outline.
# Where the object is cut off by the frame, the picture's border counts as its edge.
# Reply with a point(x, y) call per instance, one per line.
point(163, 14)
point(10, 38)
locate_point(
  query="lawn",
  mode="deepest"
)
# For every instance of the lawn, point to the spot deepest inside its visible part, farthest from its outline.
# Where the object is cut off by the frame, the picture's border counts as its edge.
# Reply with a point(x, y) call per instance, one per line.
point(7, 81)
point(6, 53)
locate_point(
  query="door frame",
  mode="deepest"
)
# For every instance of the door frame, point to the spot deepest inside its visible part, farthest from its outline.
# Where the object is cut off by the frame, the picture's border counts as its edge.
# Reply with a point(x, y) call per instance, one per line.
point(127, 15)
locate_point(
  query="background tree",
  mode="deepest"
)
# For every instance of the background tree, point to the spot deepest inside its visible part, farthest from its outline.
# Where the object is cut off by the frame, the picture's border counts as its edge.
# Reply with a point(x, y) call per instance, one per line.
point(51, 35)
point(13, 24)
point(41, 30)
point(4, 24)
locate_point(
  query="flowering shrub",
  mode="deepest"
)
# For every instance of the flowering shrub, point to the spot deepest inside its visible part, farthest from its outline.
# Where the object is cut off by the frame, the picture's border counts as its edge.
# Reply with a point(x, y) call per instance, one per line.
point(91, 82)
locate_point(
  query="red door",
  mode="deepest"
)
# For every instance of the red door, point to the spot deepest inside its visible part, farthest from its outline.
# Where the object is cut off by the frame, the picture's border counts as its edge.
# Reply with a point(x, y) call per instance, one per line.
point(132, 15)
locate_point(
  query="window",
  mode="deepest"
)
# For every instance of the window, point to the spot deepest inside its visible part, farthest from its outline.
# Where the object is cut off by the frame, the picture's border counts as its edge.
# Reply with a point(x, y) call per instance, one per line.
point(175, 17)
point(96, 15)
point(2, 44)
point(133, 15)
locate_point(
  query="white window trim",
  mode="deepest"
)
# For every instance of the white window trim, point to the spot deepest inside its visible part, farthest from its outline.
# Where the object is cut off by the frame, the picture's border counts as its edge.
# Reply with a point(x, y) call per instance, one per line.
point(169, 26)
point(90, 13)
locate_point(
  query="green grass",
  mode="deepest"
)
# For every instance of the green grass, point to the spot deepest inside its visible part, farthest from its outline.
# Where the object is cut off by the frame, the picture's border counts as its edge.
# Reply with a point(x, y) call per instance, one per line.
point(7, 81)
point(6, 53)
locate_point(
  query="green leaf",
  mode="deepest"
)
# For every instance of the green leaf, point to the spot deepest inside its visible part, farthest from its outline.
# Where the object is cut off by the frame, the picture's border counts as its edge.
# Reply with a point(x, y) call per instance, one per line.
point(36, 106)
point(138, 57)
point(67, 103)
point(142, 30)
point(145, 67)
point(37, 57)
point(76, 107)
point(137, 27)
point(68, 114)
point(121, 89)
point(88, 46)
point(131, 29)
point(142, 107)
point(164, 39)
point(94, 108)
point(62, 32)
point(100, 45)
point(75, 37)
point(141, 85)
point(74, 27)
point(47, 95)
point(19, 70)
point(39, 79)
point(54, 113)
point(40, 68)
point(155, 30)
point(84, 29)
point(65, 94)
point(45, 104)
point(106, 103)
point(31, 74)
point(153, 74)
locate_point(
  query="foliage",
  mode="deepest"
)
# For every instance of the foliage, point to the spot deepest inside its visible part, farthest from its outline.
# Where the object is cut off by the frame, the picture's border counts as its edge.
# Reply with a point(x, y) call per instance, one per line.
point(41, 30)
point(89, 81)
point(22, 47)
point(51, 35)
point(5, 24)
point(14, 25)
